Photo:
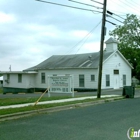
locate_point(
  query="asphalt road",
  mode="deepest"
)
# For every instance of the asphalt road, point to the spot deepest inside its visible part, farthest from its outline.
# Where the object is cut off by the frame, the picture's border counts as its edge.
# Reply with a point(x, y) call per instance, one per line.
point(109, 121)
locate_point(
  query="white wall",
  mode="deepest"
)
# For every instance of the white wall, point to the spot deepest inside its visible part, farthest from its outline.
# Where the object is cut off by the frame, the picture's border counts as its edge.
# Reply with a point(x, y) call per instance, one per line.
point(116, 63)
point(28, 81)
point(74, 72)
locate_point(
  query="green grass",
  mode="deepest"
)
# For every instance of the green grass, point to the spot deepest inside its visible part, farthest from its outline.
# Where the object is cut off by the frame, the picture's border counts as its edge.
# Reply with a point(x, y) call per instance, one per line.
point(138, 86)
point(12, 101)
point(38, 107)
point(1, 90)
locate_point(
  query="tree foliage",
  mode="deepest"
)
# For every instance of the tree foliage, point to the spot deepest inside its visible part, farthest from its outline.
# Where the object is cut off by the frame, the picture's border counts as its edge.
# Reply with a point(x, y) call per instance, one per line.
point(128, 36)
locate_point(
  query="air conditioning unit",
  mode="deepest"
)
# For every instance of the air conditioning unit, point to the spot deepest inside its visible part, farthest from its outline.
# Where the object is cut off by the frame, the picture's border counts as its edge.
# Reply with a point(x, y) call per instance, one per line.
point(7, 80)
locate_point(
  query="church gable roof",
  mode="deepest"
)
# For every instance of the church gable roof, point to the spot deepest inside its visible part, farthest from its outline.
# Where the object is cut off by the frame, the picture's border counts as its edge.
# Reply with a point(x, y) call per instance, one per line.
point(87, 60)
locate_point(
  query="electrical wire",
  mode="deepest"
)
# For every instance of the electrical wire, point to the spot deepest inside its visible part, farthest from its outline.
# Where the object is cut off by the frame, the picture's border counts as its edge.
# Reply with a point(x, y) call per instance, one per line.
point(97, 2)
point(132, 3)
point(119, 13)
point(85, 38)
point(111, 13)
point(135, 2)
point(114, 18)
point(127, 6)
point(67, 6)
point(120, 5)
point(68, 53)
point(130, 6)
point(86, 4)
point(111, 22)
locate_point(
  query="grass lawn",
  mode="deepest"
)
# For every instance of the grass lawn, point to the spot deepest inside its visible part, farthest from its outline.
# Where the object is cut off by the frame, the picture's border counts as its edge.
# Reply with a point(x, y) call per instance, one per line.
point(38, 107)
point(1, 90)
point(12, 101)
point(138, 86)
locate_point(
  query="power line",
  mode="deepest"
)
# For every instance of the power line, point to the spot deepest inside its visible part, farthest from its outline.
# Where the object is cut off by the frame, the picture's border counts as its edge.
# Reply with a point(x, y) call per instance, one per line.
point(111, 22)
point(67, 6)
point(135, 2)
point(132, 3)
point(120, 5)
point(119, 13)
point(95, 12)
point(130, 6)
point(85, 37)
point(111, 13)
point(114, 18)
point(86, 4)
point(97, 2)
point(127, 7)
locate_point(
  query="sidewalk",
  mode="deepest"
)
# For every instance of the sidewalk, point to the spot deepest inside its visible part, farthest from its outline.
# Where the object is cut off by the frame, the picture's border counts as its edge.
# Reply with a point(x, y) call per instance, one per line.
point(56, 101)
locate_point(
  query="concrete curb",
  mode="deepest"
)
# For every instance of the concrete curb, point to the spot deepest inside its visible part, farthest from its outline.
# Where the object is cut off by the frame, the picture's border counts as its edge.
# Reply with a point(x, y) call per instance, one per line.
point(54, 109)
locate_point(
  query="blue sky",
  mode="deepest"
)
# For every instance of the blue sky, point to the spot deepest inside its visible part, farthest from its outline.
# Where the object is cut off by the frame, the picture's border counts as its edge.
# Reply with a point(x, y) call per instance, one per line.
point(32, 31)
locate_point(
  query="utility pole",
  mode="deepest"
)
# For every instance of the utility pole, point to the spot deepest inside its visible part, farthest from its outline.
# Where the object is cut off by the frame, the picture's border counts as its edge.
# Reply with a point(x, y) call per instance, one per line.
point(101, 50)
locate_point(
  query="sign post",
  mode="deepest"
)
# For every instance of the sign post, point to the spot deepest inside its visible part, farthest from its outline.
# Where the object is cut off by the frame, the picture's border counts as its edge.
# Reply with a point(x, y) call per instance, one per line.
point(60, 84)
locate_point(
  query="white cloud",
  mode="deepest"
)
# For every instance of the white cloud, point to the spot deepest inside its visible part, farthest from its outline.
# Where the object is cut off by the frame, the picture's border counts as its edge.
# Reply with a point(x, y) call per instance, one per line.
point(32, 31)
point(79, 33)
point(7, 18)
point(88, 47)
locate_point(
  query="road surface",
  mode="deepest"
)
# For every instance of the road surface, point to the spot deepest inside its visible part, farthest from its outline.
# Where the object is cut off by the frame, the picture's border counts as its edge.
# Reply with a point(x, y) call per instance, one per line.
point(109, 121)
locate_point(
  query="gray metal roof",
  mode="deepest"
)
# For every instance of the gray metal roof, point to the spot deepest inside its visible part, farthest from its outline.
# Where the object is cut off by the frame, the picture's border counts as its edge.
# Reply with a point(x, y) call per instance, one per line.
point(87, 60)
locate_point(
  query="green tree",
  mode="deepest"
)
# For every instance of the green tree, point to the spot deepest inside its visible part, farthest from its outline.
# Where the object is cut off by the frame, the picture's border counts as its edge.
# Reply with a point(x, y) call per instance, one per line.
point(128, 36)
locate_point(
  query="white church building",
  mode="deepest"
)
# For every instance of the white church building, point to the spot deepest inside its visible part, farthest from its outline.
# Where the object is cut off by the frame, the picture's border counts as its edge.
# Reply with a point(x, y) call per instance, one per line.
point(116, 71)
